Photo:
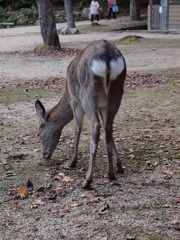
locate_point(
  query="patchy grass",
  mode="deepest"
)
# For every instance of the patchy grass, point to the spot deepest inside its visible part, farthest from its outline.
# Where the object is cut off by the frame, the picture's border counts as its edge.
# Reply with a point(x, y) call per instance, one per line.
point(138, 40)
point(12, 94)
point(141, 204)
point(95, 28)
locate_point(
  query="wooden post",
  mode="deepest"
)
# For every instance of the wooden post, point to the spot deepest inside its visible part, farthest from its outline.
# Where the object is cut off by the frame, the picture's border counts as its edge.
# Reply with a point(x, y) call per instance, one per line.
point(149, 17)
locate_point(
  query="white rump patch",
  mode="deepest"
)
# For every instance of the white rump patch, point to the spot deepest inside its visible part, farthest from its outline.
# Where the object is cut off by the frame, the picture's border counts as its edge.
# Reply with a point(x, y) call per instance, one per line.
point(99, 68)
point(116, 67)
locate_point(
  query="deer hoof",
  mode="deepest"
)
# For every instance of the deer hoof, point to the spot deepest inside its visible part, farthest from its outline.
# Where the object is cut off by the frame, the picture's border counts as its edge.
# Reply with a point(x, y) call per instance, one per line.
point(72, 165)
point(87, 184)
point(112, 177)
point(119, 168)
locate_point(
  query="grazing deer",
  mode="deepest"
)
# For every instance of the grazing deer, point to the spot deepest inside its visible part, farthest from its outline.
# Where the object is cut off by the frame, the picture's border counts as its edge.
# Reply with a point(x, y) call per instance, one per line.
point(95, 80)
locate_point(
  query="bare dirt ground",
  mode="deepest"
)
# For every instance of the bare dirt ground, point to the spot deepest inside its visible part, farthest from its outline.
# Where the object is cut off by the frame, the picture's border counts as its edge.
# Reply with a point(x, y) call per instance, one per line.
point(141, 204)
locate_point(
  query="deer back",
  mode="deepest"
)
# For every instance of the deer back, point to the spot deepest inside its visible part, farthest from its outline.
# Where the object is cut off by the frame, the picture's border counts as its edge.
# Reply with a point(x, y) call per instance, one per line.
point(95, 74)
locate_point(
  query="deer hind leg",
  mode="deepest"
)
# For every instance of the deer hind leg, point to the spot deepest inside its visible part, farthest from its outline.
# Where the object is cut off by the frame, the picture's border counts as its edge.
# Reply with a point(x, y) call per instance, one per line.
point(119, 168)
point(78, 117)
point(110, 145)
point(110, 149)
point(109, 141)
point(95, 133)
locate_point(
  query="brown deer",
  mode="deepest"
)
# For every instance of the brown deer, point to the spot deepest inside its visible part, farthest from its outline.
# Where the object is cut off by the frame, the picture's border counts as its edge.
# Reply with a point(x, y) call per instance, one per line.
point(94, 87)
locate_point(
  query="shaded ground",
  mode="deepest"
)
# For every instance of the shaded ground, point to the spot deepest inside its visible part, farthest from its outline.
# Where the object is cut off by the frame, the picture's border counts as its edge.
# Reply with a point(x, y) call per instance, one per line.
point(141, 204)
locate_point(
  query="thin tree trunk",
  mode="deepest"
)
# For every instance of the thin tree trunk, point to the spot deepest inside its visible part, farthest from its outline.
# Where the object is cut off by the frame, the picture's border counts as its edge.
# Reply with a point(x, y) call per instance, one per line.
point(69, 14)
point(47, 23)
point(135, 10)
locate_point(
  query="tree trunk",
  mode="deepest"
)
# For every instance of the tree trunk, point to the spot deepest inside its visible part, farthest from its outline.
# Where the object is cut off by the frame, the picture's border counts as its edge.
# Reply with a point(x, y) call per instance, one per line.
point(135, 10)
point(69, 13)
point(47, 23)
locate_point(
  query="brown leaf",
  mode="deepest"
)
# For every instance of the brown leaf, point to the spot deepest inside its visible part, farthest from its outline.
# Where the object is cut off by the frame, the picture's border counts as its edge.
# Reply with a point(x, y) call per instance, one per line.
point(150, 215)
point(150, 166)
point(58, 178)
point(83, 195)
point(167, 206)
point(39, 201)
point(22, 191)
point(176, 148)
point(130, 237)
point(60, 191)
point(76, 204)
point(174, 222)
point(94, 200)
point(67, 179)
point(7, 218)
point(104, 195)
point(167, 172)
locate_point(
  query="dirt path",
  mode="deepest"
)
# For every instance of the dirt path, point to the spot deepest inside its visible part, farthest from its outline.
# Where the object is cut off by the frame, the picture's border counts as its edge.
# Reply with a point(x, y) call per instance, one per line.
point(141, 58)
point(143, 204)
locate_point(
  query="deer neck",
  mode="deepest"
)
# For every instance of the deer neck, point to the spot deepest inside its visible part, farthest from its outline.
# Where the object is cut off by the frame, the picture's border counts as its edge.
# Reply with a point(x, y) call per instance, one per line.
point(62, 113)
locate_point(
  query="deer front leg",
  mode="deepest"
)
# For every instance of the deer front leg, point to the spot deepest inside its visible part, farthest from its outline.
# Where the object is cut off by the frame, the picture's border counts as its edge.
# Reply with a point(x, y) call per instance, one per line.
point(75, 150)
point(78, 117)
point(93, 149)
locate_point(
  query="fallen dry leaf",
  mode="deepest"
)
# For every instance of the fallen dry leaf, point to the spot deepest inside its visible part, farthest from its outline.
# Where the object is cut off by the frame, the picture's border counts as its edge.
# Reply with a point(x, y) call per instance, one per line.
point(167, 172)
point(150, 166)
point(174, 222)
point(76, 204)
point(60, 191)
point(94, 200)
point(175, 82)
point(67, 179)
point(58, 178)
point(167, 206)
point(7, 218)
point(150, 215)
point(83, 195)
point(130, 237)
point(22, 191)
point(39, 201)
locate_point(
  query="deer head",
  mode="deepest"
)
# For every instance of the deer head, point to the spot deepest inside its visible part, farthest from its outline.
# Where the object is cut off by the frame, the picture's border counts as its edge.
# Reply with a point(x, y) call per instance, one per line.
point(49, 132)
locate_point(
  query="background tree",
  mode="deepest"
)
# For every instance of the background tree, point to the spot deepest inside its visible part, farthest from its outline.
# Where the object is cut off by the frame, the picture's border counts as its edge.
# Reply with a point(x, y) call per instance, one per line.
point(47, 23)
point(17, 4)
point(135, 10)
point(69, 14)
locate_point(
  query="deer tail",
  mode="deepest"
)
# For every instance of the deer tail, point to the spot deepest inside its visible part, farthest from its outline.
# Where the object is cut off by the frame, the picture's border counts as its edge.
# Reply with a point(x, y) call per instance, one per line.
point(108, 72)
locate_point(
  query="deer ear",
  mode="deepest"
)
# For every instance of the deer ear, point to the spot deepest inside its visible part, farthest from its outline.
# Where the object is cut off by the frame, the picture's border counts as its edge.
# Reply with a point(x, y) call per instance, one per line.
point(40, 111)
